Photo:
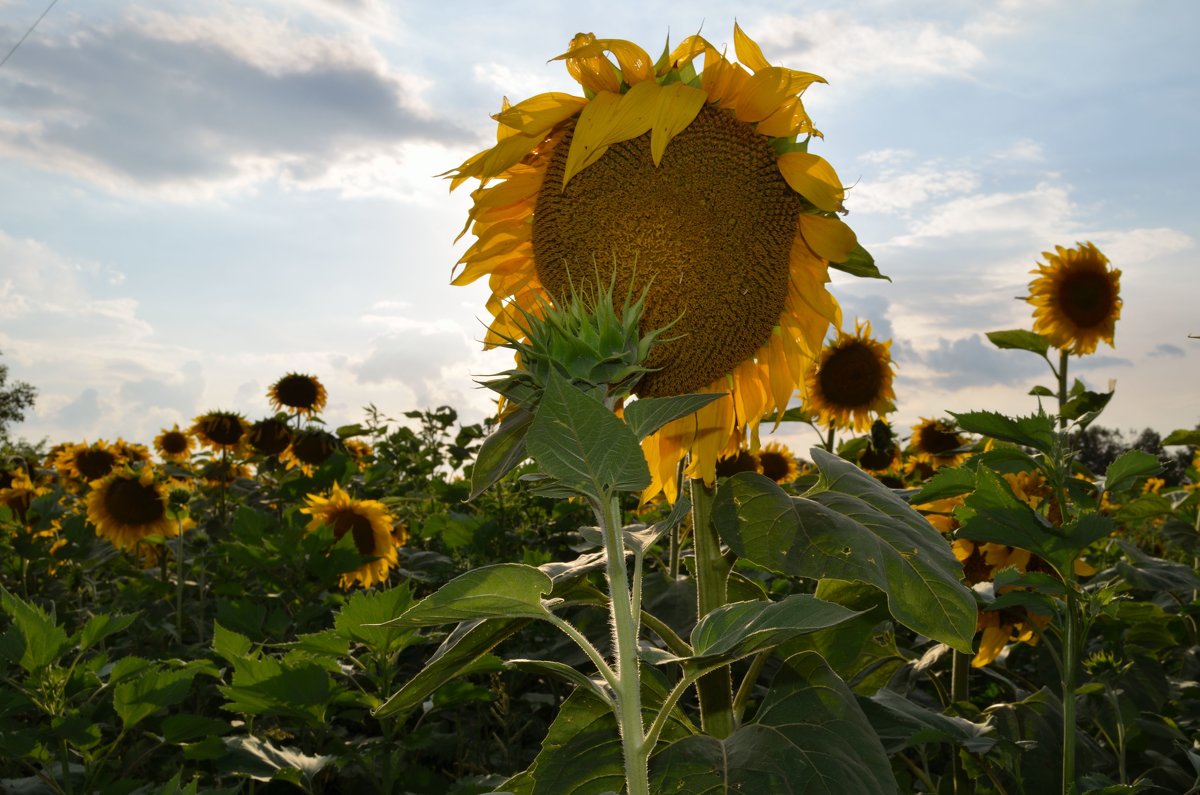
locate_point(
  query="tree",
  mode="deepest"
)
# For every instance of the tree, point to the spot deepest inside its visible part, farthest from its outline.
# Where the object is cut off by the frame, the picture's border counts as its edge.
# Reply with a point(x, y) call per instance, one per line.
point(15, 400)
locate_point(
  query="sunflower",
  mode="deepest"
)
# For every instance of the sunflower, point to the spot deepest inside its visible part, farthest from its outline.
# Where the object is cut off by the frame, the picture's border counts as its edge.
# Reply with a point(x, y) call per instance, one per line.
point(362, 452)
point(689, 185)
point(310, 448)
point(174, 445)
point(131, 453)
point(1076, 298)
point(368, 522)
point(778, 463)
point(269, 436)
point(937, 443)
point(86, 462)
point(851, 380)
point(741, 461)
point(17, 492)
point(298, 392)
point(128, 505)
point(220, 430)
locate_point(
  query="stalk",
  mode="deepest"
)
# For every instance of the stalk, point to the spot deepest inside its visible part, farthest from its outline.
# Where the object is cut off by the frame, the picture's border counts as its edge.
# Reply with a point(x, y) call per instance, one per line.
point(960, 690)
point(179, 580)
point(1062, 388)
point(715, 689)
point(628, 670)
point(1070, 662)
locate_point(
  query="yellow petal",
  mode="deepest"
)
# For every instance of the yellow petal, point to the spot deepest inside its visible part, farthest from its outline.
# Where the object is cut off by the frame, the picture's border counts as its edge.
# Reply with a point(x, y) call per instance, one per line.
point(636, 66)
point(678, 105)
point(828, 237)
point(537, 115)
point(813, 178)
point(749, 54)
point(789, 120)
point(608, 119)
point(990, 645)
point(594, 72)
point(765, 91)
point(688, 50)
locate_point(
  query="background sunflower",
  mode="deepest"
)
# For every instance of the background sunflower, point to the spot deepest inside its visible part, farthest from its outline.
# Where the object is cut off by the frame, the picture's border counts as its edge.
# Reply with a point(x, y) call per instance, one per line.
point(1076, 298)
point(127, 506)
point(851, 380)
point(368, 522)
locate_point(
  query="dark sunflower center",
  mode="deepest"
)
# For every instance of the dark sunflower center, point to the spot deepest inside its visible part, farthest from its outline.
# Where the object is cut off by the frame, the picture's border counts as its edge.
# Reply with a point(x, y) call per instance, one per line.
point(94, 464)
point(731, 465)
point(776, 466)
point(709, 232)
point(174, 443)
point(936, 440)
point(131, 502)
point(350, 521)
point(6, 480)
point(873, 458)
point(297, 391)
point(1086, 298)
point(314, 448)
point(222, 428)
point(852, 376)
point(270, 437)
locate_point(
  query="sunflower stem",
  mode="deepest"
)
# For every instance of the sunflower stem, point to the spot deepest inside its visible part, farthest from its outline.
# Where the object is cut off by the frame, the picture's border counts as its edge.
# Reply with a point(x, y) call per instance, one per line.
point(829, 438)
point(960, 690)
point(179, 580)
point(715, 689)
point(1062, 388)
point(628, 670)
point(1070, 662)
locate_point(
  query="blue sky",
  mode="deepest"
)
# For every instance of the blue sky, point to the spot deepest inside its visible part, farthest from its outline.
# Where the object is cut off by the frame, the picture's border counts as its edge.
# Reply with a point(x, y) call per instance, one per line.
point(196, 198)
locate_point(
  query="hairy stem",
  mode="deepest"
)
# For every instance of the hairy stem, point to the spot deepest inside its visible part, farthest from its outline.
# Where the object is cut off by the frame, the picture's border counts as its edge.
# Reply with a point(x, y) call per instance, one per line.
point(715, 690)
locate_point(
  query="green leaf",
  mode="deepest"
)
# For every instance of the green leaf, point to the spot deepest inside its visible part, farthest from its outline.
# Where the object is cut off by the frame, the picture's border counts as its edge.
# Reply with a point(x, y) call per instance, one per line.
point(298, 689)
point(34, 640)
point(366, 608)
point(855, 529)
point(140, 697)
point(902, 724)
point(859, 263)
point(1131, 465)
point(1083, 406)
point(1036, 430)
point(501, 451)
point(229, 645)
point(809, 736)
point(99, 627)
point(581, 754)
point(737, 630)
point(178, 729)
point(644, 416)
point(946, 482)
point(1183, 436)
point(1020, 339)
point(457, 530)
point(1043, 391)
point(262, 761)
point(556, 670)
point(1147, 573)
point(1142, 508)
point(505, 590)
point(575, 439)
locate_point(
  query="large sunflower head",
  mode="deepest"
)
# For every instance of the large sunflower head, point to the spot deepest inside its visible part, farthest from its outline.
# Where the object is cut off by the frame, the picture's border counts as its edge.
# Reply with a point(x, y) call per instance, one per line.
point(87, 462)
point(369, 524)
point(174, 445)
point(128, 505)
point(851, 380)
point(1076, 298)
point(310, 448)
point(220, 430)
point(692, 185)
point(298, 392)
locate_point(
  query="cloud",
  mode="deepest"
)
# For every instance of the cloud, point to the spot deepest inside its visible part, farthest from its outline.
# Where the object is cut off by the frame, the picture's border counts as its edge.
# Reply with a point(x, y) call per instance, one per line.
point(973, 361)
point(895, 192)
point(1167, 349)
point(188, 107)
point(1042, 213)
point(1138, 246)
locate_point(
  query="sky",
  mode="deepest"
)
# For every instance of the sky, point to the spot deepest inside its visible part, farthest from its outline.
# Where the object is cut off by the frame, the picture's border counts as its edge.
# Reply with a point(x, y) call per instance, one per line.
point(197, 198)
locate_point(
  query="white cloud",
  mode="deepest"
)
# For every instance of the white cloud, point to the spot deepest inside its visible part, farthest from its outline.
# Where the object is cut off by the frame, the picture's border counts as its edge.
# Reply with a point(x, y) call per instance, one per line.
point(1043, 213)
point(894, 193)
point(1138, 246)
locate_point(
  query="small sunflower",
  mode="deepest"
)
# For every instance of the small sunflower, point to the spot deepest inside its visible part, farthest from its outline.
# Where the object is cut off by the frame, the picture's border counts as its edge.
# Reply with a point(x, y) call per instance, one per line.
point(310, 448)
point(87, 462)
point(689, 184)
point(778, 463)
point(220, 430)
point(1076, 298)
point(174, 445)
point(128, 505)
point(741, 461)
point(362, 452)
point(269, 436)
point(17, 492)
point(851, 380)
point(937, 443)
point(131, 453)
point(218, 472)
point(368, 522)
point(1000, 627)
point(298, 392)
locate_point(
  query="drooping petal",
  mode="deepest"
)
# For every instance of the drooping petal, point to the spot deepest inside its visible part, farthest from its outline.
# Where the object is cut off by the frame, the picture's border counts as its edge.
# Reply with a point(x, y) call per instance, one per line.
point(538, 115)
point(594, 72)
point(828, 237)
point(767, 89)
point(678, 105)
point(813, 178)
point(609, 119)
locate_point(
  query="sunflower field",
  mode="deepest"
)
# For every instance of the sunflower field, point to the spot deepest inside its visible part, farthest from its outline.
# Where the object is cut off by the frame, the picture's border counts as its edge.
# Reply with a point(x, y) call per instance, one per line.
point(618, 585)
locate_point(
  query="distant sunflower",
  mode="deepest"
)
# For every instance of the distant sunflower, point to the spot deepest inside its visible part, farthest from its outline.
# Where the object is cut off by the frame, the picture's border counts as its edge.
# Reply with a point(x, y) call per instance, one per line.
point(310, 448)
point(851, 380)
point(741, 461)
point(298, 392)
point(1076, 298)
point(368, 522)
point(17, 492)
point(937, 443)
point(269, 436)
point(131, 453)
point(688, 184)
point(220, 430)
point(778, 463)
point(218, 471)
point(127, 506)
point(174, 445)
point(87, 462)
point(362, 452)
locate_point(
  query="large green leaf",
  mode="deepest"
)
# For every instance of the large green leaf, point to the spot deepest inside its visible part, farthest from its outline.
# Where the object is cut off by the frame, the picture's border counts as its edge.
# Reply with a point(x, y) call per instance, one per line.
point(860, 263)
point(505, 590)
point(736, 630)
point(1123, 473)
point(578, 441)
point(501, 452)
point(140, 697)
point(903, 724)
point(809, 737)
point(101, 625)
point(263, 761)
point(1020, 339)
point(1189, 437)
point(1036, 430)
point(357, 619)
point(854, 529)
point(646, 415)
point(34, 640)
point(299, 689)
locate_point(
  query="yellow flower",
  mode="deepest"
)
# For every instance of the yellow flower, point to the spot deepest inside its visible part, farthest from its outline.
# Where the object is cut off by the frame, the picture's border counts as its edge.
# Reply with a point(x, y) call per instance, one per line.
point(269, 436)
point(778, 463)
point(220, 430)
point(131, 453)
point(310, 448)
point(127, 506)
point(174, 445)
point(1076, 298)
point(362, 452)
point(1002, 626)
point(17, 492)
point(689, 185)
point(851, 380)
point(936, 443)
point(368, 522)
point(86, 462)
point(298, 392)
